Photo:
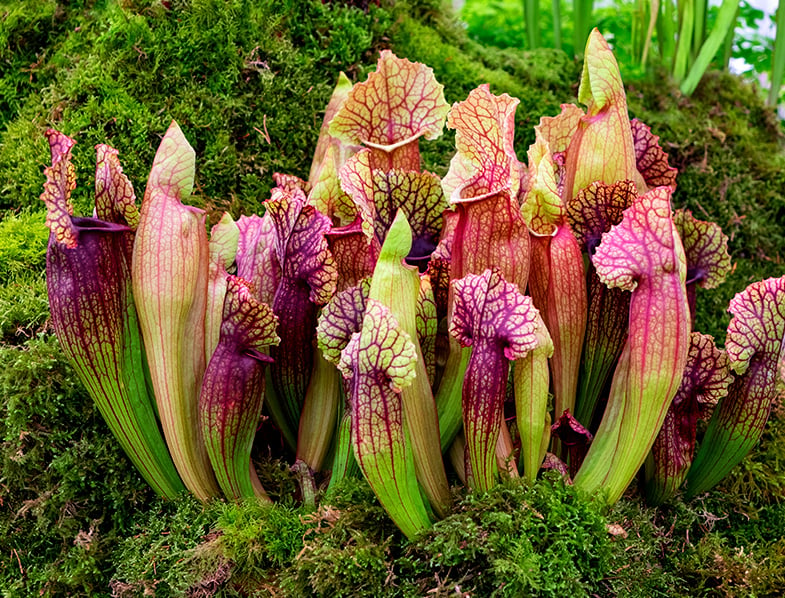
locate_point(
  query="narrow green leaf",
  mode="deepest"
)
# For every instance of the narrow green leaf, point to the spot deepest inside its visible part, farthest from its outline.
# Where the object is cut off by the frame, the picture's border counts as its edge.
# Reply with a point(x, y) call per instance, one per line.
point(778, 60)
point(531, 378)
point(725, 23)
point(682, 57)
point(531, 13)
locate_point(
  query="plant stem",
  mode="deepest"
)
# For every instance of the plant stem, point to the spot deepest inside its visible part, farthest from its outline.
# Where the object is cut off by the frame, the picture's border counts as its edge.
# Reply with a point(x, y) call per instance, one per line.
point(654, 11)
point(699, 26)
point(728, 48)
point(666, 32)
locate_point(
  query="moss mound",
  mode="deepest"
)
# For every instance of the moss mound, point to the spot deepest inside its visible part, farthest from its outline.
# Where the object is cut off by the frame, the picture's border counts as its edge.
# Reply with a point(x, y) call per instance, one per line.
point(248, 82)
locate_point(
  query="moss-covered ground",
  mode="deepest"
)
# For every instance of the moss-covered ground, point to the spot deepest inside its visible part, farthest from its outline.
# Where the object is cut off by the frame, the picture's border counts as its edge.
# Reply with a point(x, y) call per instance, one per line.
point(247, 81)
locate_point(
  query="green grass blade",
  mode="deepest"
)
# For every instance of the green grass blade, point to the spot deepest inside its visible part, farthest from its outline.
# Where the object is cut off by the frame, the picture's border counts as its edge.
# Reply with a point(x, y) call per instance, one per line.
point(778, 59)
point(725, 23)
point(728, 44)
point(699, 26)
point(666, 32)
point(654, 11)
point(582, 11)
point(687, 15)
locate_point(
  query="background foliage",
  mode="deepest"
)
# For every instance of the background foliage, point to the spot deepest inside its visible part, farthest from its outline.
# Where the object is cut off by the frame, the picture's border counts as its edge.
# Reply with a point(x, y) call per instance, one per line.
point(247, 81)
point(501, 23)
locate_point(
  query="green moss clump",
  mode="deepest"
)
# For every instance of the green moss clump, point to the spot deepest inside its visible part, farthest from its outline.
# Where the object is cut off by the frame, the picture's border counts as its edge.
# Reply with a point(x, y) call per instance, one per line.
point(515, 540)
point(165, 554)
point(27, 32)
point(706, 548)
point(246, 81)
point(159, 554)
point(68, 490)
point(519, 540)
point(23, 304)
point(24, 307)
point(347, 548)
point(259, 539)
point(23, 239)
point(219, 549)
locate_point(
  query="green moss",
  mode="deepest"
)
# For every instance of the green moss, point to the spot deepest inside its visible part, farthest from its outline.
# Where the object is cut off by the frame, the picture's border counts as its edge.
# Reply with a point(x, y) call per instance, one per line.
point(515, 540)
point(27, 30)
point(68, 489)
point(23, 239)
point(519, 540)
point(160, 553)
point(720, 544)
point(246, 82)
point(24, 307)
point(258, 537)
point(186, 548)
point(23, 303)
point(347, 548)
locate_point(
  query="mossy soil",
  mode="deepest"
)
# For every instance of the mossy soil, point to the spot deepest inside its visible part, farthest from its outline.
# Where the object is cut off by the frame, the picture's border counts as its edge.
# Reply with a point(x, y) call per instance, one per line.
point(247, 82)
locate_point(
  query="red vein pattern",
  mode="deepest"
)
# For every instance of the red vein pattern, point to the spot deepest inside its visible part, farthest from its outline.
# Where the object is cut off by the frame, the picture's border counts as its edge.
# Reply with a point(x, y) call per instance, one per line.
point(705, 382)
point(483, 184)
point(257, 262)
point(379, 361)
point(706, 247)
point(308, 279)
point(642, 254)
point(230, 403)
point(400, 102)
point(222, 251)
point(591, 214)
point(755, 341)
point(60, 182)
point(340, 319)
point(115, 200)
point(651, 160)
point(499, 323)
